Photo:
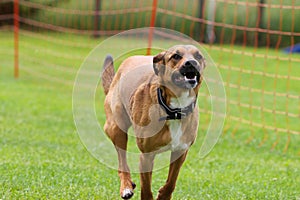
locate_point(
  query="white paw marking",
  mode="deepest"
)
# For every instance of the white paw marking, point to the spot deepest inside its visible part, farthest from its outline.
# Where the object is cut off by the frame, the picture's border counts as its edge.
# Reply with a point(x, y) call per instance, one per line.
point(127, 193)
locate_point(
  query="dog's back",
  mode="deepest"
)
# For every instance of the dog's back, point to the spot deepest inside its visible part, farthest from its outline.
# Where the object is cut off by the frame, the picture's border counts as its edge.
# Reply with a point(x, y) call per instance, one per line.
point(131, 71)
point(119, 87)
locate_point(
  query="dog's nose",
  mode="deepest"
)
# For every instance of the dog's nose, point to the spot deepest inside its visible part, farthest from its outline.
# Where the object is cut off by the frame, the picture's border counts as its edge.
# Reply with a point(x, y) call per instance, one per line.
point(190, 63)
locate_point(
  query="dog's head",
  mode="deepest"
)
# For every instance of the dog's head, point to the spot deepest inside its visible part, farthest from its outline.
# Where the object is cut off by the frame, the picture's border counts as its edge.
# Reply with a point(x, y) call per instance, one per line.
point(181, 65)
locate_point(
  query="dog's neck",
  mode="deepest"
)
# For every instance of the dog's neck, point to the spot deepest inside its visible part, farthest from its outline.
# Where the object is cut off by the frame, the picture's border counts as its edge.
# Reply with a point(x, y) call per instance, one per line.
point(180, 99)
point(176, 107)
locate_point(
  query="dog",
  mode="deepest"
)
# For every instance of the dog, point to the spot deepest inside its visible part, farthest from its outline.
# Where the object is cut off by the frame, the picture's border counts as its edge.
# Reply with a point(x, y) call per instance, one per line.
point(157, 96)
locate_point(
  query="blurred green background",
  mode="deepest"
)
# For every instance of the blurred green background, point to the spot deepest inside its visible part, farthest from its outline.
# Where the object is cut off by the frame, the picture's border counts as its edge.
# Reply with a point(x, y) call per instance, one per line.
point(177, 15)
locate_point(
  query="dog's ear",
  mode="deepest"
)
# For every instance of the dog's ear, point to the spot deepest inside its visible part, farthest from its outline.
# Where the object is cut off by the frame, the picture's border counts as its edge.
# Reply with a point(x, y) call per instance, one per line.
point(158, 62)
point(204, 63)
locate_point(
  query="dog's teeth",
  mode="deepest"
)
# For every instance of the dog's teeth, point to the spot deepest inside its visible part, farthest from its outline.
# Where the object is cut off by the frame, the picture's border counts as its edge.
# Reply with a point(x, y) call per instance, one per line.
point(189, 79)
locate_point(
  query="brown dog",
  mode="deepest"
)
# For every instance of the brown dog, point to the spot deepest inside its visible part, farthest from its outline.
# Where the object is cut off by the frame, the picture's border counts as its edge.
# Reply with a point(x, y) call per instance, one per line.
point(157, 97)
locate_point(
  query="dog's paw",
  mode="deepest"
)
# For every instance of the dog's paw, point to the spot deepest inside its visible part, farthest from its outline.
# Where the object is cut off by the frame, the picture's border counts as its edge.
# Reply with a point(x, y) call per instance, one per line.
point(127, 193)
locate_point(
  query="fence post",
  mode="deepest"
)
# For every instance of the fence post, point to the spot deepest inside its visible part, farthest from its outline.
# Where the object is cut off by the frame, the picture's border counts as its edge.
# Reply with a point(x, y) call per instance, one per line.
point(152, 24)
point(210, 33)
point(97, 18)
point(200, 25)
point(16, 38)
point(259, 21)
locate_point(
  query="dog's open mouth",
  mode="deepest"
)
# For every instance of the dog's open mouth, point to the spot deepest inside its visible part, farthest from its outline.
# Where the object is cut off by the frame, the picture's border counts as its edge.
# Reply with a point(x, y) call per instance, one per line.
point(190, 77)
point(186, 79)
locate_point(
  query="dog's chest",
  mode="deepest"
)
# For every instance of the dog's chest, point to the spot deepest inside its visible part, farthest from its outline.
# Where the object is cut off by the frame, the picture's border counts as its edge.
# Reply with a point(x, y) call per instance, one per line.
point(175, 126)
point(176, 134)
point(183, 101)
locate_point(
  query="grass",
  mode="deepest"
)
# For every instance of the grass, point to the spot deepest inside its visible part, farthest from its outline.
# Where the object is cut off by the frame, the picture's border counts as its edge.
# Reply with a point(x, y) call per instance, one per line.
point(42, 157)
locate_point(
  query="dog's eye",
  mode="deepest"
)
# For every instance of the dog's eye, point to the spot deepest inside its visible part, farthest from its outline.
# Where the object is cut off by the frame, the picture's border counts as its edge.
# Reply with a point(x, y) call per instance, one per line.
point(198, 56)
point(176, 56)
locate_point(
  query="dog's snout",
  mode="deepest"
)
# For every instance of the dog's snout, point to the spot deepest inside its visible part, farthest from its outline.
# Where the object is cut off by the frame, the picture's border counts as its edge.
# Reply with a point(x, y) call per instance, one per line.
point(190, 71)
point(190, 63)
point(190, 66)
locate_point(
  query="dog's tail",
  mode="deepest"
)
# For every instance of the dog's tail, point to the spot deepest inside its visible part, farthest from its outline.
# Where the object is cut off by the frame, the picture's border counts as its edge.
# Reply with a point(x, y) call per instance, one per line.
point(108, 73)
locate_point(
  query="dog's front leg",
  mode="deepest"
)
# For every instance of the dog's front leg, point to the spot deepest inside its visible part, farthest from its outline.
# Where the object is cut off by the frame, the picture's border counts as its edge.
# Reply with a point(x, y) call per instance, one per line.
point(177, 159)
point(146, 166)
point(127, 186)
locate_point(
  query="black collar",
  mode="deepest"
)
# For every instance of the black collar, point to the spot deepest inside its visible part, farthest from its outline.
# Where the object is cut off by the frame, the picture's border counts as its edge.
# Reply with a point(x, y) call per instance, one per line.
point(174, 113)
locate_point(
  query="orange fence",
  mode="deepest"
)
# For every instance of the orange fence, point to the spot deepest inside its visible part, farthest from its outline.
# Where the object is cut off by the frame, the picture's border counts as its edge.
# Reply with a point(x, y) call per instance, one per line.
point(246, 39)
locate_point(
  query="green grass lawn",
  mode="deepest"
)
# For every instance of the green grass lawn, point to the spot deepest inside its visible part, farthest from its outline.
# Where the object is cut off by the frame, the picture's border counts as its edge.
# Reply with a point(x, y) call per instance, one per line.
point(42, 157)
